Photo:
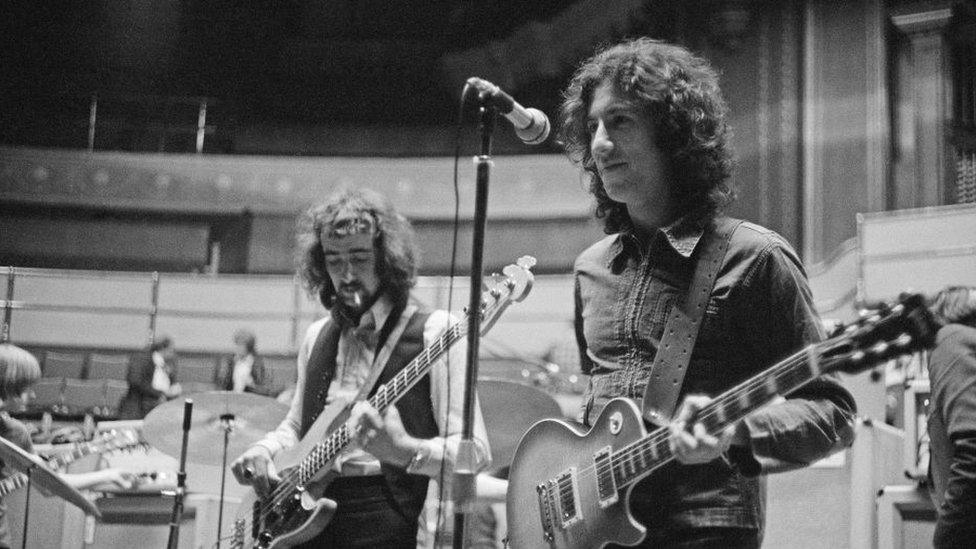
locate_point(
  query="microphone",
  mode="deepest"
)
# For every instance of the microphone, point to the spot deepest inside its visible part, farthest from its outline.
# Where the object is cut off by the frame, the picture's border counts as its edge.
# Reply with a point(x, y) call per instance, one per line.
point(531, 125)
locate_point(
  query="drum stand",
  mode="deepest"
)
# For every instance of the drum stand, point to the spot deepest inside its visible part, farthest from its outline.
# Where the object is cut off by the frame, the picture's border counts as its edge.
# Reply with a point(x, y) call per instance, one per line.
point(174, 525)
point(227, 423)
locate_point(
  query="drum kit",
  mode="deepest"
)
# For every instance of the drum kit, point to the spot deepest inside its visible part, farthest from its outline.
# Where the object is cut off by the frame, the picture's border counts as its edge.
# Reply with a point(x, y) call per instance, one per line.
point(211, 427)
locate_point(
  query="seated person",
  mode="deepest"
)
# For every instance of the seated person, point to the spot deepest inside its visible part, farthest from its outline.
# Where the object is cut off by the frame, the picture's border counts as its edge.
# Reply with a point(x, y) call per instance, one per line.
point(152, 380)
point(244, 370)
point(18, 370)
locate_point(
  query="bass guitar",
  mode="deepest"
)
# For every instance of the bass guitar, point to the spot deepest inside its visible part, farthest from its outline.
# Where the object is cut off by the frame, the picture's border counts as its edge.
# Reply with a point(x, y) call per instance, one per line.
point(569, 489)
point(294, 511)
point(108, 442)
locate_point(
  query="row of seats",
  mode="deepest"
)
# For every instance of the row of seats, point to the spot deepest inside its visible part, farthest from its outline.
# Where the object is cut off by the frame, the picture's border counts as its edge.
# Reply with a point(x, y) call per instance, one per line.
point(77, 383)
point(192, 368)
point(84, 366)
point(74, 397)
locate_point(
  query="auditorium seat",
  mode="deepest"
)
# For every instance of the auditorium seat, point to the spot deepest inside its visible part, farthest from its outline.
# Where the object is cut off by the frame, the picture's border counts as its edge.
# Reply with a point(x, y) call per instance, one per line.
point(82, 396)
point(115, 391)
point(201, 369)
point(190, 387)
point(46, 395)
point(66, 365)
point(102, 366)
point(281, 373)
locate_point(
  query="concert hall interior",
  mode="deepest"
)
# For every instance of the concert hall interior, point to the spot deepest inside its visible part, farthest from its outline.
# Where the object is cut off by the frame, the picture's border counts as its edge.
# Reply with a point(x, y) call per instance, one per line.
point(158, 160)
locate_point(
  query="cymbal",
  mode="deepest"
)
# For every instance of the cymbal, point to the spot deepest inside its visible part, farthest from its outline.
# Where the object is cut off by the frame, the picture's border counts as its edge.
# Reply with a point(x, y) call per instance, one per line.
point(250, 417)
point(509, 410)
point(17, 458)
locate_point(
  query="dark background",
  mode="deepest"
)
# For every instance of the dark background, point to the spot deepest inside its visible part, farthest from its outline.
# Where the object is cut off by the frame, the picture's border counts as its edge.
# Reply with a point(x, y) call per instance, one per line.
point(277, 75)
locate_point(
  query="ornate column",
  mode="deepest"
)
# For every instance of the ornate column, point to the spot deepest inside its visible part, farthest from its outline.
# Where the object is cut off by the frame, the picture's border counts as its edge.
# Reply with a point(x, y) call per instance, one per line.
point(923, 80)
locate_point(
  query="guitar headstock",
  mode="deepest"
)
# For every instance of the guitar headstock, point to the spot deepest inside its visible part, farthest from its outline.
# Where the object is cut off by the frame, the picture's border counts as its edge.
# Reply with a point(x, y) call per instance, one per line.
point(501, 290)
point(890, 331)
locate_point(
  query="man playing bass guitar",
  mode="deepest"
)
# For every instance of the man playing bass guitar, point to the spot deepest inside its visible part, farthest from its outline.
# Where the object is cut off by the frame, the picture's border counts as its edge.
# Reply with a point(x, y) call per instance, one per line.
point(647, 122)
point(359, 258)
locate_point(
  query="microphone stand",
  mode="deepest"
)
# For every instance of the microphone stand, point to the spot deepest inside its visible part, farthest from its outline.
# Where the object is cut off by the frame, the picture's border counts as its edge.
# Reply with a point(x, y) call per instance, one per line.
point(465, 468)
point(174, 524)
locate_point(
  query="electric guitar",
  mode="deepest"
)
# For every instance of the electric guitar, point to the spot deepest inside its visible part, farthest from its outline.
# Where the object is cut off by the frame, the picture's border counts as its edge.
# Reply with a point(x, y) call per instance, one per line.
point(569, 489)
point(110, 441)
point(294, 511)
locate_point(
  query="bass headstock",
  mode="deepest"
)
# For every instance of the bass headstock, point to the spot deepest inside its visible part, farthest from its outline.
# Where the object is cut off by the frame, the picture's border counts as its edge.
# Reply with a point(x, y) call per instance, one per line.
point(501, 290)
point(889, 331)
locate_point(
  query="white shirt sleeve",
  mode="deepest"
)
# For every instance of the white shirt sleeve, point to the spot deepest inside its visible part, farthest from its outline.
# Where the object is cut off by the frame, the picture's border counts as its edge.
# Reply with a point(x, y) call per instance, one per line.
point(447, 376)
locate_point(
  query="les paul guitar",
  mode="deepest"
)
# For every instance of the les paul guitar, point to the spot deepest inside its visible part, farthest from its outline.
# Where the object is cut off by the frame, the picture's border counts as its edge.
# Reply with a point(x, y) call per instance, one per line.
point(569, 489)
point(108, 442)
point(294, 511)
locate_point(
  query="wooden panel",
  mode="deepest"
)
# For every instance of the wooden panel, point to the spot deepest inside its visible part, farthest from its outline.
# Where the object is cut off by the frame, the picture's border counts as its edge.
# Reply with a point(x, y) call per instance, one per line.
point(267, 297)
point(78, 289)
point(79, 329)
point(922, 249)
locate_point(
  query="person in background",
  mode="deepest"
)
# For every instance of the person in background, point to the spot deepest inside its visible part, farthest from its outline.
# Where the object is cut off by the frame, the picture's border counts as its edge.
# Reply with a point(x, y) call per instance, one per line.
point(152, 380)
point(359, 257)
point(18, 370)
point(952, 418)
point(647, 123)
point(244, 370)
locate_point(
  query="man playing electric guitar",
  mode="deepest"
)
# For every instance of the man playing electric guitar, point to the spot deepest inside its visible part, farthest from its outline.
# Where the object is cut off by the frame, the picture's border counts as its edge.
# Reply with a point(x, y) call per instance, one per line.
point(359, 258)
point(647, 121)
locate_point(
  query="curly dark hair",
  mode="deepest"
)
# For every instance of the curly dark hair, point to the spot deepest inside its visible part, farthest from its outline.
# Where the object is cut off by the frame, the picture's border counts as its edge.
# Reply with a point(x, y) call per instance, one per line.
point(679, 94)
point(394, 242)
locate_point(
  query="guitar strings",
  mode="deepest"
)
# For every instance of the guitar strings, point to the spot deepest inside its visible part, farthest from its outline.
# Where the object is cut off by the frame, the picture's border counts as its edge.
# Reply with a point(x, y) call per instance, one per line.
point(290, 481)
point(753, 386)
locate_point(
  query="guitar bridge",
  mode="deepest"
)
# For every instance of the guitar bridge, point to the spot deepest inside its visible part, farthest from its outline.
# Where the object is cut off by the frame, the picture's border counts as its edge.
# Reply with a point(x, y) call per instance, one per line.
point(545, 511)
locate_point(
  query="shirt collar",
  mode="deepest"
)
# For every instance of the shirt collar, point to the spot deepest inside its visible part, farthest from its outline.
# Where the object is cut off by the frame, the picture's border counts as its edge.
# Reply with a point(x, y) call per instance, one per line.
point(380, 310)
point(682, 236)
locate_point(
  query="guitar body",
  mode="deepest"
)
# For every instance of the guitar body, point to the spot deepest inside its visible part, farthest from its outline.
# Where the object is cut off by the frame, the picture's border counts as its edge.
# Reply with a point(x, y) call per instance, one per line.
point(302, 514)
point(577, 516)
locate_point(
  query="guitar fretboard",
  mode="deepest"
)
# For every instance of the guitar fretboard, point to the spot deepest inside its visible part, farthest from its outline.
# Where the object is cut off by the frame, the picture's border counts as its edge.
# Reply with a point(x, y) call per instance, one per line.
point(638, 459)
point(385, 395)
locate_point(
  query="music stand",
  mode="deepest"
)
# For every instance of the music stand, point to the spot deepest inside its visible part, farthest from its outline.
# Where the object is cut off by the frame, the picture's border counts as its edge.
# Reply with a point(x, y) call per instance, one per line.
point(37, 471)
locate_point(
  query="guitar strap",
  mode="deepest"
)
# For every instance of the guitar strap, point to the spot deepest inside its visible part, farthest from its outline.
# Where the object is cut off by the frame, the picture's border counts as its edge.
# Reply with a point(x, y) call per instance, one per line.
point(681, 330)
point(388, 342)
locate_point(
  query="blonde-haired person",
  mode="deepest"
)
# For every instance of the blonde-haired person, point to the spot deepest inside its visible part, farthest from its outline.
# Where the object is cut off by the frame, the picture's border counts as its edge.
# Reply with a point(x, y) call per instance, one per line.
point(18, 370)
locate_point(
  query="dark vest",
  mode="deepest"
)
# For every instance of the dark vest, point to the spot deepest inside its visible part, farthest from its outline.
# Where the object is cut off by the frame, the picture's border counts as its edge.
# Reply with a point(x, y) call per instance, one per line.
point(415, 406)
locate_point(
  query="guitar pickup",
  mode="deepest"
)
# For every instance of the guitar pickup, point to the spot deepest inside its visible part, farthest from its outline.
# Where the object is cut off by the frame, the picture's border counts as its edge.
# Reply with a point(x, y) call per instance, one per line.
point(606, 484)
point(566, 488)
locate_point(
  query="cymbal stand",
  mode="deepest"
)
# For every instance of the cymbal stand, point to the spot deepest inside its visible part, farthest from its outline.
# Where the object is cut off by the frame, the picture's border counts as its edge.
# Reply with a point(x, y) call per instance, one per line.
point(23, 541)
point(174, 524)
point(227, 423)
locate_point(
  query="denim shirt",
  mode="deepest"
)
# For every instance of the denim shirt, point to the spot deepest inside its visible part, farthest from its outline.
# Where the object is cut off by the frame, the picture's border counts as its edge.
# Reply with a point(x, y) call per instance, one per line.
point(760, 311)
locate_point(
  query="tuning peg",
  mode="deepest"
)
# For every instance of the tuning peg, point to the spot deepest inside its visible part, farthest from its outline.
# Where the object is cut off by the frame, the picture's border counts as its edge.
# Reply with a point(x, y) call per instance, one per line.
point(904, 340)
point(880, 348)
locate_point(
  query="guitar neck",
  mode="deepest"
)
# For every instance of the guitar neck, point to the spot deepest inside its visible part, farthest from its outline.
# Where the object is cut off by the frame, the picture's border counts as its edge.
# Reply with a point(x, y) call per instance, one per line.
point(386, 395)
point(640, 458)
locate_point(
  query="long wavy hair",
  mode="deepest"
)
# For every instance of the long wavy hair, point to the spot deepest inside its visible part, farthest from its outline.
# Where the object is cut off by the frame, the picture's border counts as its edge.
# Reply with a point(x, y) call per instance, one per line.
point(394, 242)
point(679, 94)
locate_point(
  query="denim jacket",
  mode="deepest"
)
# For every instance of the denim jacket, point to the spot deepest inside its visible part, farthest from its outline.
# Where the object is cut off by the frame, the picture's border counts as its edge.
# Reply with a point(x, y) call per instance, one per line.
point(760, 310)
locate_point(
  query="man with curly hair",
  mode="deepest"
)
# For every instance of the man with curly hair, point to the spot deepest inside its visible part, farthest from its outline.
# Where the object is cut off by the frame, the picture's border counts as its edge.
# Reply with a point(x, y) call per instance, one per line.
point(646, 121)
point(359, 258)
